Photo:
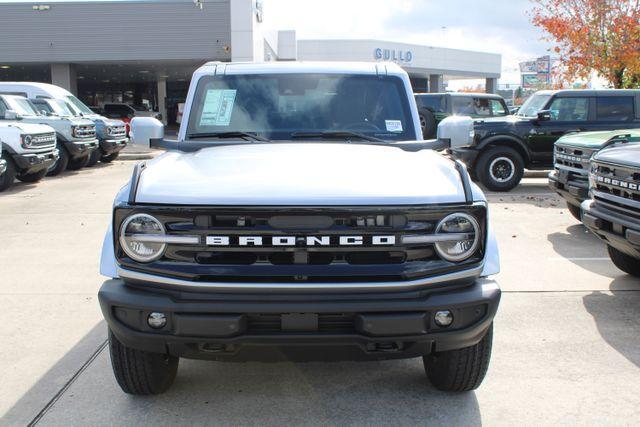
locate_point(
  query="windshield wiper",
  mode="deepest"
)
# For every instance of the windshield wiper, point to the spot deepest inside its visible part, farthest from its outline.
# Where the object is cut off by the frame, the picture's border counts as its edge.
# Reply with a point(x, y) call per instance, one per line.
point(335, 134)
point(230, 134)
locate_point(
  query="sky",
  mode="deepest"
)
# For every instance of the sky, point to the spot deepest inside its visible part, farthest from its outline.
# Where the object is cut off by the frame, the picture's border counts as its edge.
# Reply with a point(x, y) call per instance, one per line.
point(498, 26)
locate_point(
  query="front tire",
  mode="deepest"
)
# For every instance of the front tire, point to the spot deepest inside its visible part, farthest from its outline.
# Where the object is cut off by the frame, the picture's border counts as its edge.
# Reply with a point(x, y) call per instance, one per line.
point(110, 158)
point(32, 177)
point(7, 178)
point(460, 370)
point(78, 162)
point(141, 372)
point(575, 211)
point(624, 262)
point(60, 165)
point(94, 157)
point(500, 168)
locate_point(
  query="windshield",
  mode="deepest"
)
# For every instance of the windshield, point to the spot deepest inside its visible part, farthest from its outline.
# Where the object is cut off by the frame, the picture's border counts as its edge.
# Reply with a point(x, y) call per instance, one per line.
point(532, 105)
point(79, 105)
point(59, 107)
point(22, 106)
point(279, 106)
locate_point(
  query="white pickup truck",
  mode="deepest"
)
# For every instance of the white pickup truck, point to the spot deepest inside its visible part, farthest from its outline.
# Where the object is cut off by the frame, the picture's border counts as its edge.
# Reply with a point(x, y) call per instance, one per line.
point(28, 150)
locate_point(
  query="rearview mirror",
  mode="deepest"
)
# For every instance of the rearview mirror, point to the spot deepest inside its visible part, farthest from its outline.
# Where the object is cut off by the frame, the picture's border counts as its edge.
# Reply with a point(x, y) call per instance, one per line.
point(544, 115)
point(12, 115)
point(144, 130)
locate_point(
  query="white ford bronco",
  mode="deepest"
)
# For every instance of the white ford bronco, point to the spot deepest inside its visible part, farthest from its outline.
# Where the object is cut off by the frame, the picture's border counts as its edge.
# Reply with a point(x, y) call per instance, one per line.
point(27, 149)
point(76, 137)
point(299, 217)
point(54, 100)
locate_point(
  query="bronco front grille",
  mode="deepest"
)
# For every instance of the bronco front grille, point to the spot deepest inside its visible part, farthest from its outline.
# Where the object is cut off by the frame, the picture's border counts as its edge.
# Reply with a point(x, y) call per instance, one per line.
point(572, 157)
point(85, 131)
point(118, 132)
point(616, 186)
point(319, 248)
point(42, 140)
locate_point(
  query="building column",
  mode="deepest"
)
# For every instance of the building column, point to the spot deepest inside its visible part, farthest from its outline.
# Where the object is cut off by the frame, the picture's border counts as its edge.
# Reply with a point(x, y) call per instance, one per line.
point(491, 85)
point(162, 99)
point(64, 75)
point(434, 83)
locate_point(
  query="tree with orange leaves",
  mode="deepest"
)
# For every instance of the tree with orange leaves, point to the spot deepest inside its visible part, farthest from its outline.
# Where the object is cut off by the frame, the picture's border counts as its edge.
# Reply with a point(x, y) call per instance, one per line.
point(601, 36)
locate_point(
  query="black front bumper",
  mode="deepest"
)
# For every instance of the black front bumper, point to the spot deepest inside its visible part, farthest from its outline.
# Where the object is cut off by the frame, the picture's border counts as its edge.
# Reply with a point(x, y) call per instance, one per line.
point(110, 146)
point(616, 228)
point(467, 155)
point(34, 162)
point(314, 327)
point(81, 148)
point(572, 190)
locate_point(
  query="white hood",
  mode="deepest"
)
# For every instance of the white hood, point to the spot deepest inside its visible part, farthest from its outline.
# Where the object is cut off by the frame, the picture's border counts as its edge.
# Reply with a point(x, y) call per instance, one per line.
point(27, 128)
point(300, 174)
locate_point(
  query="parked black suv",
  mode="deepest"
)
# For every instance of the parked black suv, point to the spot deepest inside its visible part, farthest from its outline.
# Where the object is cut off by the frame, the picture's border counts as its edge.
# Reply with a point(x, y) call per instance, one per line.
point(501, 148)
point(434, 107)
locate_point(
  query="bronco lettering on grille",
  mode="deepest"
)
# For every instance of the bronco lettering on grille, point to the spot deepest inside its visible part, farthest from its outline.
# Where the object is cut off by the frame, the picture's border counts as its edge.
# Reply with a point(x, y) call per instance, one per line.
point(300, 240)
point(616, 182)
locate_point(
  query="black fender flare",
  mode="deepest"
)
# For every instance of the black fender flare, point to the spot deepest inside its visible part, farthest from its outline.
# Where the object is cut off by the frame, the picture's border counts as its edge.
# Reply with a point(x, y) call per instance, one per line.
point(507, 140)
point(6, 148)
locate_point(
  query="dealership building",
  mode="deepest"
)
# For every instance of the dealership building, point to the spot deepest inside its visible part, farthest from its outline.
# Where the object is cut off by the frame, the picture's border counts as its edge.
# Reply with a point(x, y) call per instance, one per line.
point(143, 52)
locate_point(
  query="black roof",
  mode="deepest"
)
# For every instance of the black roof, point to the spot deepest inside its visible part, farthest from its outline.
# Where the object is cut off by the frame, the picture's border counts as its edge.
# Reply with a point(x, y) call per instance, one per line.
point(475, 94)
point(590, 92)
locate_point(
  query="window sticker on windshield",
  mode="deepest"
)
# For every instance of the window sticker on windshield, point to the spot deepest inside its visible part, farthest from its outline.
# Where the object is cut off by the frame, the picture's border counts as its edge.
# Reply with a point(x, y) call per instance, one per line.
point(393, 125)
point(218, 105)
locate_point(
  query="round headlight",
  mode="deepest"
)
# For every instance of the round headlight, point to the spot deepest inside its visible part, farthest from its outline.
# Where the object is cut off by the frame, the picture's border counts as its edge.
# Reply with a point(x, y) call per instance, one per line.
point(109, 130)
point(136, 237)
point(26, 140)
point(466, 242)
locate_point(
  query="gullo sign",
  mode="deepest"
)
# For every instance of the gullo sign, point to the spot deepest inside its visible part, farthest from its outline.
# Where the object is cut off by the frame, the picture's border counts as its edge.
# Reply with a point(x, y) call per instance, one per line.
point(395, 55)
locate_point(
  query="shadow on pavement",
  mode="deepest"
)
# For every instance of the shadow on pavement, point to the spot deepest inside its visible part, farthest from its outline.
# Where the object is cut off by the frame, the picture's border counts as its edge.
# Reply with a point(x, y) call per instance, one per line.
point(342, 393)
point(583, 249)
point(55, 379)
point(617, 317)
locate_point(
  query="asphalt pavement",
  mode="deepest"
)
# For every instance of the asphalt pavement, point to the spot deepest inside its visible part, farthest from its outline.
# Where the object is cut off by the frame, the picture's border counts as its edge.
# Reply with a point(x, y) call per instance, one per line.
point(566, 341)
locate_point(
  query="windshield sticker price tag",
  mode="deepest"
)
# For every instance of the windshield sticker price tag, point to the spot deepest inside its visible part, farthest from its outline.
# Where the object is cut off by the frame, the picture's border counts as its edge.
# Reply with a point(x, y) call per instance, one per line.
point(218, 105)
point(393, 125)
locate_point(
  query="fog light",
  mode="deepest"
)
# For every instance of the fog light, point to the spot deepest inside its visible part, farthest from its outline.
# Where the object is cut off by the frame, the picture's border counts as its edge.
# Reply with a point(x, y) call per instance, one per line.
point(443, 318)
point(157, 320)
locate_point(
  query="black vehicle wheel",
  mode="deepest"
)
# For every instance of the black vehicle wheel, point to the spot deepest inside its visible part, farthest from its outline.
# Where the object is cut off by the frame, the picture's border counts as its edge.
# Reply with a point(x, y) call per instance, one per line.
point(624, 262)
point(78, 162)
point(575, 211)
point(59, 165)
point(6, 179)
point(500, 168)
point(460, 370)
point(32, 177)
point(427, 123)
point(110, 158)
point(94, 157)
point(140, 372)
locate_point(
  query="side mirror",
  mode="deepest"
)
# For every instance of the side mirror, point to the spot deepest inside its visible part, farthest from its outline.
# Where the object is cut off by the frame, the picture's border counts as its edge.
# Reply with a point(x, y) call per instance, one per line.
point(458, 130)
point(12, 115)
point(544, 115)
point(144, 130)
